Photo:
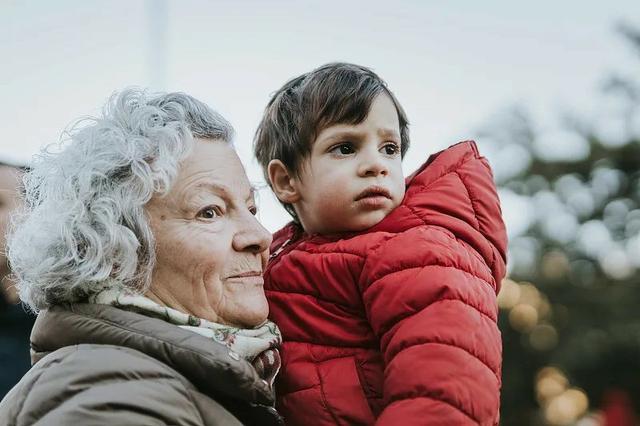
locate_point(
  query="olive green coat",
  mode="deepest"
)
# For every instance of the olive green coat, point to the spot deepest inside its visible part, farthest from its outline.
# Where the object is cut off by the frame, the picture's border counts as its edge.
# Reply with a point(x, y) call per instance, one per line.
point(99, 365)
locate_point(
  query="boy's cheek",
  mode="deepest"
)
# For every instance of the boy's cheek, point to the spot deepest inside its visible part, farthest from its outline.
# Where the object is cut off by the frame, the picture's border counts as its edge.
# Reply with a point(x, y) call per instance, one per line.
point(401, 189)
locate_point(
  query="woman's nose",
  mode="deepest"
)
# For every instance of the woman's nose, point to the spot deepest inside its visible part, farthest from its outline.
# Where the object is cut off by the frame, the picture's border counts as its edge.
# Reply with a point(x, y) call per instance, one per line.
point(251, 235)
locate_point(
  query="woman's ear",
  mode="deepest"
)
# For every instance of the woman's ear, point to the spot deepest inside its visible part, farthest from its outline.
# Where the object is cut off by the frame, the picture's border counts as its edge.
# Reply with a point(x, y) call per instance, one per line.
point(283, 183)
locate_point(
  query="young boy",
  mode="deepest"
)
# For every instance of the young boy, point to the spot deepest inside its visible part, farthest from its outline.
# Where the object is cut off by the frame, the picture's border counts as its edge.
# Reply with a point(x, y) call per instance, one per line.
point(384, 289)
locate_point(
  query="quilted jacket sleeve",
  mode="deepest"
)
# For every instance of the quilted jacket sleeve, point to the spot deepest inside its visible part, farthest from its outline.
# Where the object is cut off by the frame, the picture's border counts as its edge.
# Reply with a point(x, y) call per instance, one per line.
point(430, 294)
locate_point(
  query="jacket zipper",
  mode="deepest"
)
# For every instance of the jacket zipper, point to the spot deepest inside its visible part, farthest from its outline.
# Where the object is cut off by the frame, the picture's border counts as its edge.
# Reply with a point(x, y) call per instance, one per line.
point(286, 247)
point(280, 249)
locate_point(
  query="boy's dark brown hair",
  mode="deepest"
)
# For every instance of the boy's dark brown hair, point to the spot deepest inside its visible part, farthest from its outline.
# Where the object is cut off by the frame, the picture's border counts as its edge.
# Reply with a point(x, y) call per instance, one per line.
point(335, 93)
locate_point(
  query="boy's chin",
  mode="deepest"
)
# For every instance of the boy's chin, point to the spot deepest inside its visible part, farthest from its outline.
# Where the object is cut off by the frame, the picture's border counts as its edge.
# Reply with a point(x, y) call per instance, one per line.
point(361, 222)
point(368, 220)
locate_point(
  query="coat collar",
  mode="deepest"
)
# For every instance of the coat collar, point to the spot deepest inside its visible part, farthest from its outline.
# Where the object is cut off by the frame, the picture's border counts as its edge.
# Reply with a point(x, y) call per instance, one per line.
point(209, 365)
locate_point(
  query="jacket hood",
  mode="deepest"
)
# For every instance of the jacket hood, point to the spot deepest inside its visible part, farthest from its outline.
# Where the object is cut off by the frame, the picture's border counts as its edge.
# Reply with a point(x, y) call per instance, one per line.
point(454, 189)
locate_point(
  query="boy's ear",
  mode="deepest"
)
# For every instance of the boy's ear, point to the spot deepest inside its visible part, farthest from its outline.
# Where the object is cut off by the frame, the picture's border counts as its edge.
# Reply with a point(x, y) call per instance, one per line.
point(283, 183)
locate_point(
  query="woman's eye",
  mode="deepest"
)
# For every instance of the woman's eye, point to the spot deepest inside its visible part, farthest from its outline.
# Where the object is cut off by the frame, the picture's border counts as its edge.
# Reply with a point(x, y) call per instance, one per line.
point(253, 210)
point(209, 213)
point(391, 149)
point(343, 149)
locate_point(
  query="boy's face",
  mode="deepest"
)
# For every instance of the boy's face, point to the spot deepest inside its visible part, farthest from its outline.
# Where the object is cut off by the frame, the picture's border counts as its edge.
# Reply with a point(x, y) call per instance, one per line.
point(353, 176)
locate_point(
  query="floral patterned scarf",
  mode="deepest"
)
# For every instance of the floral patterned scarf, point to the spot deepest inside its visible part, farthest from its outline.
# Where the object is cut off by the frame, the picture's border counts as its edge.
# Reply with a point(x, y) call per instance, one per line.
point(259, 345)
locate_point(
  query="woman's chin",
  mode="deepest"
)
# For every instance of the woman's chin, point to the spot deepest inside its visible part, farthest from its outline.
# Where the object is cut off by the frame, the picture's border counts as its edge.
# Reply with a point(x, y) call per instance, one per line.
point(251, 312)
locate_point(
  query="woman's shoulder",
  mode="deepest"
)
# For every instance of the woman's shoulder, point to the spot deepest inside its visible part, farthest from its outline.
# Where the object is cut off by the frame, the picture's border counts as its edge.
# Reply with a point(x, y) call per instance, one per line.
point(111, 384)
point(88, 378)
point(104, 359)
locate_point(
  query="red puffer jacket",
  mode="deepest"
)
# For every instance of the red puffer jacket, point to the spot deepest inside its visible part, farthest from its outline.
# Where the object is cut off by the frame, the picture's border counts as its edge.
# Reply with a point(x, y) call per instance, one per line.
point(397, 325)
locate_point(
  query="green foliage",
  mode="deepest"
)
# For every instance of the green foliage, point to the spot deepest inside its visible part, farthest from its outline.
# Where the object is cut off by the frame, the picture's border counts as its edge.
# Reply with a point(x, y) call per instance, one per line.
point(580, 249)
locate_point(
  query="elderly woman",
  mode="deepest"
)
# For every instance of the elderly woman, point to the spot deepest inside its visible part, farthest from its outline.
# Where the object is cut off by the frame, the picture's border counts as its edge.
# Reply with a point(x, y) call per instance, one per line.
point(140, 249)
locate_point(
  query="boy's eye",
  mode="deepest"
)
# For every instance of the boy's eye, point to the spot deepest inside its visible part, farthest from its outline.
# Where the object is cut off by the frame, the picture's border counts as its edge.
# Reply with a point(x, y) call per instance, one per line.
point(391, 149)
point(343, 149)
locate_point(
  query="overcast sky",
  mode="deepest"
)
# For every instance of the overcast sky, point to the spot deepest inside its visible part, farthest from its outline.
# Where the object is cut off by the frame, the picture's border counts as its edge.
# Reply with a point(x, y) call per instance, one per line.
point(452, 65)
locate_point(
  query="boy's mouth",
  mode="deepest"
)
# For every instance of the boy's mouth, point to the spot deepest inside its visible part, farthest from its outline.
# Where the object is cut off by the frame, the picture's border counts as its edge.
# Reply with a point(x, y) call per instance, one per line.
point(373, 192)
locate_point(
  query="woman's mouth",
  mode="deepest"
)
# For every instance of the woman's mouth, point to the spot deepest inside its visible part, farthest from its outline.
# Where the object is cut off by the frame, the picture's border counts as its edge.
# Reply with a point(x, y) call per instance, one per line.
point(249, 277)
point(247, 274)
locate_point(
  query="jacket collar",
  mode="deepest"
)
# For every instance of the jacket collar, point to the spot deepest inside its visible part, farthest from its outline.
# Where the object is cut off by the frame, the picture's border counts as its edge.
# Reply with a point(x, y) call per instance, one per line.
point(209, 365)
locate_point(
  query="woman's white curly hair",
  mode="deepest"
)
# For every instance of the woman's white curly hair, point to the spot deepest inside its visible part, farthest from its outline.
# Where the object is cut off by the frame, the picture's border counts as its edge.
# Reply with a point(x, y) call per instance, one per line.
point(84, 226)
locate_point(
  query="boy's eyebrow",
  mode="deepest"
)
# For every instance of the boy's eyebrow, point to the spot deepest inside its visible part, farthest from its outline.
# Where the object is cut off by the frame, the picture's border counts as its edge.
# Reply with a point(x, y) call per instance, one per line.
point(338, 134)
point(388, 133)
point(348, 133)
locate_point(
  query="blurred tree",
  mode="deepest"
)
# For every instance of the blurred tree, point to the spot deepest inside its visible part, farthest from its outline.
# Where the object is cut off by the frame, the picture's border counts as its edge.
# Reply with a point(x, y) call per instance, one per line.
point(570, 313)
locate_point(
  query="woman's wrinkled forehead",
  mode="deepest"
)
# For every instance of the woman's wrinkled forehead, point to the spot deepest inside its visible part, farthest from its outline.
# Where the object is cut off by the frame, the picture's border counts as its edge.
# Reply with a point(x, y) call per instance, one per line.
point(208, 184)
point(214, 166)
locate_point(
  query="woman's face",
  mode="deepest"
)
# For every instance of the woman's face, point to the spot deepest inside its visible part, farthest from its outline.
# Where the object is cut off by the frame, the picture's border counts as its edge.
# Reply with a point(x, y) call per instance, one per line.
point(210, 249)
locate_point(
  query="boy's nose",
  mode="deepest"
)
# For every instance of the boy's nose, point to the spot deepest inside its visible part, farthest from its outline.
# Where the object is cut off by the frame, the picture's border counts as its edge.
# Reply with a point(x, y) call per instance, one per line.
point(373, 165)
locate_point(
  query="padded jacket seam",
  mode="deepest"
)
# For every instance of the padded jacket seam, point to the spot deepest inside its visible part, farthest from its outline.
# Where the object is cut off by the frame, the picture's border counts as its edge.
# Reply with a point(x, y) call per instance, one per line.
point(333, 302)
point(435, 398)
point(471, 202)
point(475, 214)
point(437, 265)
point(452, 345)
point(306, 251)
point(325, 403)
point(444, 299)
